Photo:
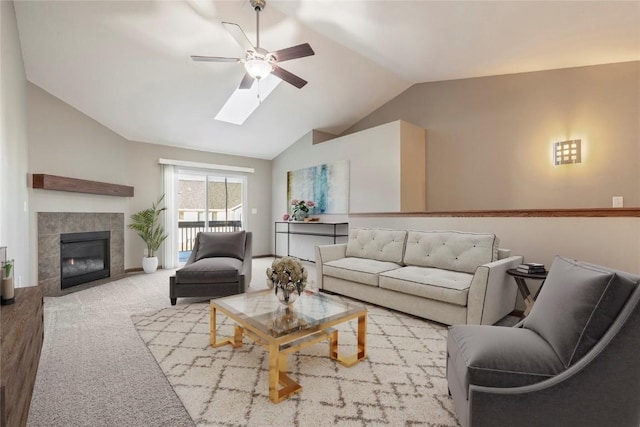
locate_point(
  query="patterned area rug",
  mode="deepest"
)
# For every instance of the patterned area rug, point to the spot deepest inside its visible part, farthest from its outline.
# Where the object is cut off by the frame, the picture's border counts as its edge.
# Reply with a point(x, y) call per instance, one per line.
point(402, 382)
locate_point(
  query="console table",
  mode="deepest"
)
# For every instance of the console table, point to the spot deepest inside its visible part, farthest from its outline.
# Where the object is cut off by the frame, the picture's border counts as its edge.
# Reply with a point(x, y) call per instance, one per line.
point(322, 233)
point(21, 335)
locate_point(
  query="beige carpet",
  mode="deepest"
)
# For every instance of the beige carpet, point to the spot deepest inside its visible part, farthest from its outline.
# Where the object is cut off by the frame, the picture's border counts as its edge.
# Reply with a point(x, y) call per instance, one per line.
point(95, 370)
point(402, 381)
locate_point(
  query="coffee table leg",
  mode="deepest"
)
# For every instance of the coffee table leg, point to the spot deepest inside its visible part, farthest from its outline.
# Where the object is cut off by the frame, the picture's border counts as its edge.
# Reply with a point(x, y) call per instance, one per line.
point(236, 341)
point(278, 376)
point(351, 360)
point(212, 325)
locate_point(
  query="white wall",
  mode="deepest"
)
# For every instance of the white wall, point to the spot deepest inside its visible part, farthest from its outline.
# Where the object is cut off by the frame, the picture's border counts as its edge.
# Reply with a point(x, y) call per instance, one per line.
point(376, 177)
point(374, 168)
point(14, 223)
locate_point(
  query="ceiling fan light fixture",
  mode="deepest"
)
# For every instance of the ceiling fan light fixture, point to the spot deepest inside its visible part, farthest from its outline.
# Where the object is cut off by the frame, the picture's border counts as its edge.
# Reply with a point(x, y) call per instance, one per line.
point(258, 68)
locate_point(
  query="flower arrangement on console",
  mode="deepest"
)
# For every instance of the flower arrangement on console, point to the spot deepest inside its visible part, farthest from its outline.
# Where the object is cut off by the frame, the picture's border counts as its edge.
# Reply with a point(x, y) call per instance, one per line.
point(289, 278)
point(301, 208)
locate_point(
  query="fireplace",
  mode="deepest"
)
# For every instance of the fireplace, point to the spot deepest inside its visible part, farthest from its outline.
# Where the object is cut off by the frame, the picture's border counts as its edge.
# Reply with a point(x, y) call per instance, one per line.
point(84, 257)
point(51, 225)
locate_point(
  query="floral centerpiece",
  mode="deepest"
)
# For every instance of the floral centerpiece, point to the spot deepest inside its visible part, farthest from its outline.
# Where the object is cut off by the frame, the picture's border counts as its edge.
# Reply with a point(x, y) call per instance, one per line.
point(301, 208)
point(289, 278)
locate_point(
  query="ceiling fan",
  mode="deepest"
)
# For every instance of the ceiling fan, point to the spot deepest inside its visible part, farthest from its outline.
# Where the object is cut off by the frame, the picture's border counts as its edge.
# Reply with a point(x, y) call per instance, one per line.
point(259, 62)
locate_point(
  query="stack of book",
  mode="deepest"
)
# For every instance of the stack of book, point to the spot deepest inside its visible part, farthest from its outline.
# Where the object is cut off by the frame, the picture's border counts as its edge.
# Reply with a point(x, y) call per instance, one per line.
point(531, 268)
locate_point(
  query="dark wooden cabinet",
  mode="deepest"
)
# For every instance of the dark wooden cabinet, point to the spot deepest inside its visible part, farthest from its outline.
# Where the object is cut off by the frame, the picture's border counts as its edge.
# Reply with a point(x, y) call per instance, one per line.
point(21, 337)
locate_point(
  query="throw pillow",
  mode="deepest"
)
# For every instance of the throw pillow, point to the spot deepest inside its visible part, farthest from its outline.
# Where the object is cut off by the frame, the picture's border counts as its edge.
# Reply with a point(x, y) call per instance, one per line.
point(378, 244)
point(221, 245)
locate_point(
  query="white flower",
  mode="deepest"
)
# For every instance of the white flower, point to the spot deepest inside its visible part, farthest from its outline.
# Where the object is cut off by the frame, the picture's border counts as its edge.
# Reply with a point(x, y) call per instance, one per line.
point(287, 274)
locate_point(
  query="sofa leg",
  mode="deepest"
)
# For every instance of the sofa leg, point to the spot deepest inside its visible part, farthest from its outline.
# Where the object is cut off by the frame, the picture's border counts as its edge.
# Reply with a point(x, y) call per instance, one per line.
point(173, 301)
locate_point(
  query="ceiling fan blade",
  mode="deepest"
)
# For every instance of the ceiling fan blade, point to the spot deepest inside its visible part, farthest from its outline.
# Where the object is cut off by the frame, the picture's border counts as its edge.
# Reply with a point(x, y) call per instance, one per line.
point(247, 82)
point(214, 59)
point(299, 51)
point(288, 77)
point(239, 36)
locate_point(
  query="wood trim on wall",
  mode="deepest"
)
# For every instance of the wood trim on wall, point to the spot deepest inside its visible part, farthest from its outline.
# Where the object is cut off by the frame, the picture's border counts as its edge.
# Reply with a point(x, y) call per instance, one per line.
point(524, 213)
point(61, 183)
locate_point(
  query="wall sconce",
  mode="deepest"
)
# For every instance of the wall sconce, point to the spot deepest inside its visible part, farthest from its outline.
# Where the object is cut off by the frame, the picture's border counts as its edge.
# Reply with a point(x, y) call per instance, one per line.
point(566, 152)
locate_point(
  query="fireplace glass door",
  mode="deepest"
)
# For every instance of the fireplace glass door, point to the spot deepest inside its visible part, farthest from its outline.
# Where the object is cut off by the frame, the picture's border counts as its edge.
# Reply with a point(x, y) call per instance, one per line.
point(84, 257)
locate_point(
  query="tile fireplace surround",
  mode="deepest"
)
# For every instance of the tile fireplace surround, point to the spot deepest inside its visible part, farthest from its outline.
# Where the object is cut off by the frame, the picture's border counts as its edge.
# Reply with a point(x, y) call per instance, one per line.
point(52, 224)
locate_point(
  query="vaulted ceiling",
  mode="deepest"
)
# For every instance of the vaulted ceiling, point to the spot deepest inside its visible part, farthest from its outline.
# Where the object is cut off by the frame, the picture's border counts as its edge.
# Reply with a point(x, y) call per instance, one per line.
point(127, 64)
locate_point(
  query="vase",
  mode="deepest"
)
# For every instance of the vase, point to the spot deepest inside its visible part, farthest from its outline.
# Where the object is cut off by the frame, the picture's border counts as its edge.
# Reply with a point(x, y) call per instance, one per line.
point(299, 215)
point(286, 297)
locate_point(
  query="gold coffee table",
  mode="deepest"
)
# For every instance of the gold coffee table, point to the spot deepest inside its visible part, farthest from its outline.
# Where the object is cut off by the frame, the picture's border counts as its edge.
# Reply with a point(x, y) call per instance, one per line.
point(261, 317)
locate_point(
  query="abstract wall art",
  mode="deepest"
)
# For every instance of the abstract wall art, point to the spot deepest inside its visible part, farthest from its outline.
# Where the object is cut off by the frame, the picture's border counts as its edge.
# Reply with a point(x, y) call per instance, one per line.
point(327, 185)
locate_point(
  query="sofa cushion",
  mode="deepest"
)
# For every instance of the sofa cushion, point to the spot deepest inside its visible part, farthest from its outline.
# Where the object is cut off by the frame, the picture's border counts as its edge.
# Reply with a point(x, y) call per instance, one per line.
point(432, 283)
point(221, 245)
point(361, 270)
point(210, 270)
point(576, 305)
point(497, 356)
point(378, 244)
point(451, 250)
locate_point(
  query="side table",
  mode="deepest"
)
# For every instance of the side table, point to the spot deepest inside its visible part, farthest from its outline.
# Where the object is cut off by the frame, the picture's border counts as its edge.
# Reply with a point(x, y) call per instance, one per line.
point(520, 277)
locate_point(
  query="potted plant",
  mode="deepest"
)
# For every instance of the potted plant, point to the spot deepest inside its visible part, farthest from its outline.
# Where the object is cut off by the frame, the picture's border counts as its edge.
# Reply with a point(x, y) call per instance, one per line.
point(301, 208)
point(147, 224)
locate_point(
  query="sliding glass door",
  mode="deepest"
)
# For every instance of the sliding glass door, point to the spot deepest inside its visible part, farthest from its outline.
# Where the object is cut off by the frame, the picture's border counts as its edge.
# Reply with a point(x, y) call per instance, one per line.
point(207, 202)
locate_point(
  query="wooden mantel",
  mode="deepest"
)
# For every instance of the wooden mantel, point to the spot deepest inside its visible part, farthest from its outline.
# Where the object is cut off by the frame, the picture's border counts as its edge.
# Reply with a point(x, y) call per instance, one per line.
point(61, 183)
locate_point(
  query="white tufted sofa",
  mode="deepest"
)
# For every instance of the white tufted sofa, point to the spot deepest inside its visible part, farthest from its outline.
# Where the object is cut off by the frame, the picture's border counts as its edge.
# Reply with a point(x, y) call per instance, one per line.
point(451, 277)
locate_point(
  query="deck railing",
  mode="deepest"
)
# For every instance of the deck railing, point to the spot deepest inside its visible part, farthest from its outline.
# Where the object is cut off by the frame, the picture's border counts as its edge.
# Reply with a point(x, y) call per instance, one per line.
point(188, 230)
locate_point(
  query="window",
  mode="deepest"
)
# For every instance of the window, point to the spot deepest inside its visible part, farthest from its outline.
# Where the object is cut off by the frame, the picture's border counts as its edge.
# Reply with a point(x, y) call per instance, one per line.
point(207, 202)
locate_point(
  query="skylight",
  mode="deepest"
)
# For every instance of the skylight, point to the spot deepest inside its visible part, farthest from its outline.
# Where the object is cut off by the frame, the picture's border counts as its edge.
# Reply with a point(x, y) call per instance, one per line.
point(243, 102)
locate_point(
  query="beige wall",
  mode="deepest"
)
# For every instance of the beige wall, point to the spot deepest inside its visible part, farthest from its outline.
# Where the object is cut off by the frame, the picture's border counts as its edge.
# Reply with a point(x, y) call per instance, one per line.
point(488, 146)
point(14, 220)
point(489, 139)
point(145, 174)
point(63, 141)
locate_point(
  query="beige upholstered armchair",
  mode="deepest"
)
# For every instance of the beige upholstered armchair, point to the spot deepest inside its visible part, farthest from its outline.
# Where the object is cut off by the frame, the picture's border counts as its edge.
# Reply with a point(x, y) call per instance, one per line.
point(219, 265)
point(573, 362)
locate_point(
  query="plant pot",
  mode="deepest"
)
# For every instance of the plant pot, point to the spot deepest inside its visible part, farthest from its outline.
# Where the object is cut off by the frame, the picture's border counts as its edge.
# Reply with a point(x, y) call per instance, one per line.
point(150, 264)
point(299, 215)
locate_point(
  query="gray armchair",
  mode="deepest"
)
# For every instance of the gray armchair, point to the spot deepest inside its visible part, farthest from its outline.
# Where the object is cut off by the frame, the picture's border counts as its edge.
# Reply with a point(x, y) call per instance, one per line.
point(572, 362)
point(219, 265)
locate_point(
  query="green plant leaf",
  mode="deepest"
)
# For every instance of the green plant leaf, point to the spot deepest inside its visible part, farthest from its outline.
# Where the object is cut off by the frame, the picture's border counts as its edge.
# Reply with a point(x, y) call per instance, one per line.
point(146, 224)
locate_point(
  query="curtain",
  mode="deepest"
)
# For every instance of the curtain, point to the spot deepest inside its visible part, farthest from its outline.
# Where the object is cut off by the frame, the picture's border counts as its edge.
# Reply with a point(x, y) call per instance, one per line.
point(169, 186)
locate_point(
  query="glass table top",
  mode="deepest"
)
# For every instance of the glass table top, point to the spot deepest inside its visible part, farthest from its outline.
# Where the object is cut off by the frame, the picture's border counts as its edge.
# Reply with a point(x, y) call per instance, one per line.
point(310, 311)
